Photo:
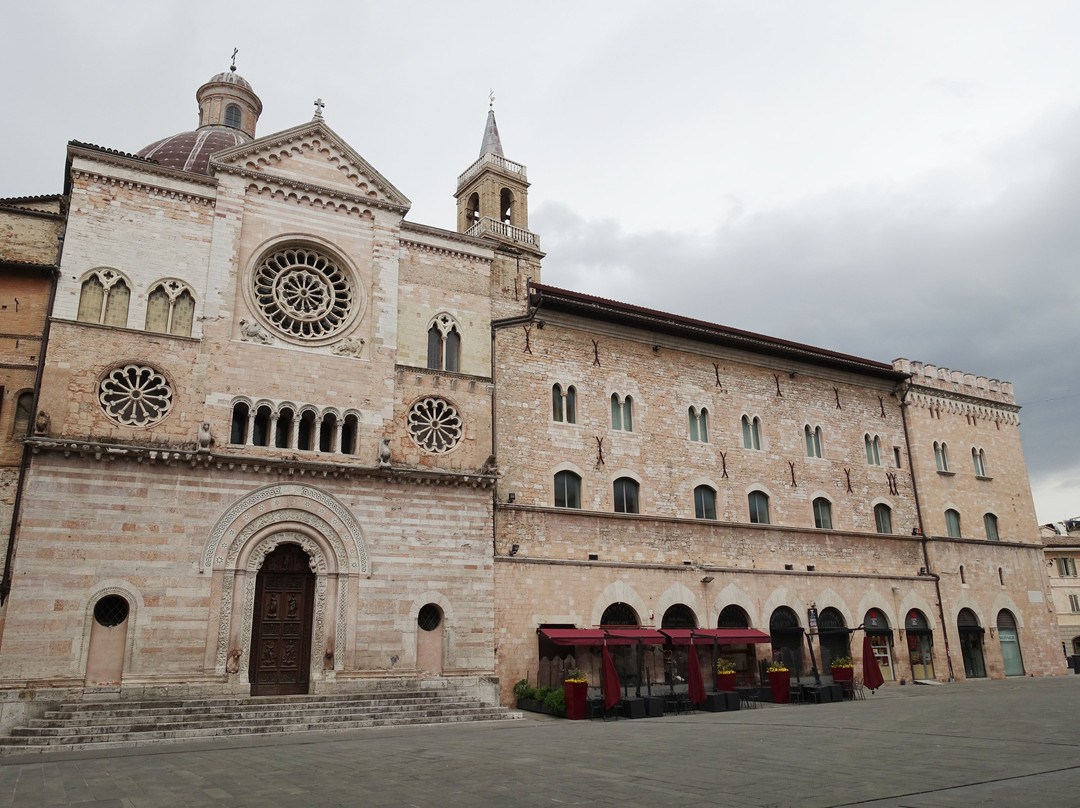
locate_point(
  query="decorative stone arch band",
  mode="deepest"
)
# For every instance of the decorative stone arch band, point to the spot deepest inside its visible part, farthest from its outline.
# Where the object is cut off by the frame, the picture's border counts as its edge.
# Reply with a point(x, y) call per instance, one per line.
point(234, 553)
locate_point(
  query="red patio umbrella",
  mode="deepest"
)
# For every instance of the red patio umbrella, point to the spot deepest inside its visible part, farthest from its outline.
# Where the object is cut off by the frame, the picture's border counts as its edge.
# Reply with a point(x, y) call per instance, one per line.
point(871, 675)
point(697, 685)
point(612, 692)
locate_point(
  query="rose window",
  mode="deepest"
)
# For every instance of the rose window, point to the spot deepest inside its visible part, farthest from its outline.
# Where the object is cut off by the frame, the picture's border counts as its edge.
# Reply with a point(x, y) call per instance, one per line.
point(135, 395)
point(303, 294)
point(434, 424)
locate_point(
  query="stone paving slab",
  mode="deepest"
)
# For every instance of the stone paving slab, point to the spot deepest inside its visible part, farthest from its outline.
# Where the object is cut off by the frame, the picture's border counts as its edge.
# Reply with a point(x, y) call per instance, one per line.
point(991, 743)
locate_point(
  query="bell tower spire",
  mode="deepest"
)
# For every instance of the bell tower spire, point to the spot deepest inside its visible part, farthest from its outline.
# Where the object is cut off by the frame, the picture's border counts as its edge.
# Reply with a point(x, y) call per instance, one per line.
point(492, 194)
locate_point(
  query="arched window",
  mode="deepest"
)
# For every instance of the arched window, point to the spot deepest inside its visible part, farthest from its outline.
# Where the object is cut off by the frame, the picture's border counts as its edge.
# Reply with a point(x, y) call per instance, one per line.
point(704, 502)
point(699, 424)
point(260, 427)
point(305, 432)
point(813, 440)
point(564, 405)
point(622, 413)
point(444, 344)
point(238, 431)
point(626, 495)
point(104, 298)
point(284, 428)
point(822, 514)
point(506, 206)
point(883, 518)
point(619, 614)
point(170, 309)
point(567, 490)
point(326, 432)
point(952, 523)
point(232, 116)
point(24, 414)
point(678, 615)
point(348, 434)
point(472, 211)
point(941, 456)
point(978, 459)
point(751, 432)
point(733, 617)
point(990, 522)
point(873, 449)
point(759, 507)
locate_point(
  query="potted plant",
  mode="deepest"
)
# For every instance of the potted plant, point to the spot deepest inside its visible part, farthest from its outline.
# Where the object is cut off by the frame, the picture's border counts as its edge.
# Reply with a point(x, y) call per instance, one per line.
point(843, 669)
point(576, 687)
point(725, 675)
point(779, 682)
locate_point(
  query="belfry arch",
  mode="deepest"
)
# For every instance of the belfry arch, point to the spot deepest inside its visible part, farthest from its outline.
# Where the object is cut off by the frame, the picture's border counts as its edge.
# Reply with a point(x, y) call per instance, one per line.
point(233, 554)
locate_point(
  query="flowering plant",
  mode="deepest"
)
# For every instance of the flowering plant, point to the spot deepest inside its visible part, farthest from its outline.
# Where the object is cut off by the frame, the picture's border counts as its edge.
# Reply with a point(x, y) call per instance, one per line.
point(842, 662)
point(576, 675)
point(777, 667)
point(725, 666)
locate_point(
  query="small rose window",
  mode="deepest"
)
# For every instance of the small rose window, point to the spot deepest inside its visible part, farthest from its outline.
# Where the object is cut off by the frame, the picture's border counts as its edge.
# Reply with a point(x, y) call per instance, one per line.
point(434, 425)
point(135, 395)
point(304, 294)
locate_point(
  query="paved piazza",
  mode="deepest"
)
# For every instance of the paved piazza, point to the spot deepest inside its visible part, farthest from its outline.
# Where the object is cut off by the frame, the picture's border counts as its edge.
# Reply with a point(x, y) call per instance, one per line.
point(990, 743)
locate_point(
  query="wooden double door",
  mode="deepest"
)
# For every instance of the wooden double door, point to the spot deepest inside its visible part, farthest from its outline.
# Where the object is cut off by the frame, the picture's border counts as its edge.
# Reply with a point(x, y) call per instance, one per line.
point(281, 632)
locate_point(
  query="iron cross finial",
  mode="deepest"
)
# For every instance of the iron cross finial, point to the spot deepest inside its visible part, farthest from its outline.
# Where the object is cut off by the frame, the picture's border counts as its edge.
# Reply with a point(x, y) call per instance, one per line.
point(319, 105)
point(491, 98)
point(234, 52)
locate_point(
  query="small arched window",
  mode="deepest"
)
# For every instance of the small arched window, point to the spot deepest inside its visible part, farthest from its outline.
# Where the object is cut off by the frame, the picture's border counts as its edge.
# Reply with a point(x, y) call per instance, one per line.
point(990, 522)
point(564, 405)
point(24, 414)
point(978, 459)
point(349, 428)
point(813, 440)
point(444, 344)
point(963, 578)
point(622, 413)
point(704, 502)
point(283, 432)
point(941, 456)
point(952, 523)
point(699, 424)
point(759, 507)
point(232, 116)
point(567, 490)
point(751, 431)
point(506, 206)
point(170, 309)
point(305, 432)
point(239, 429)
point(626, 495)
point(883, 518)
point(472, 211)
point(260, 427)
point(822, 514)
point(873, 449)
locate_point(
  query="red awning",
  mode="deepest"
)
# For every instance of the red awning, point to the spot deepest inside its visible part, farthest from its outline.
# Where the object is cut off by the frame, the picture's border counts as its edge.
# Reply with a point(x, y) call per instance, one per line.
point(596, 636)
point(722, 636)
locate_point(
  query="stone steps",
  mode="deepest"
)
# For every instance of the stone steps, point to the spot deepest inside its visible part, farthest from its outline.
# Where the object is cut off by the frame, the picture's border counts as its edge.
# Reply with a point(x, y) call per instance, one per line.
point(84, 725)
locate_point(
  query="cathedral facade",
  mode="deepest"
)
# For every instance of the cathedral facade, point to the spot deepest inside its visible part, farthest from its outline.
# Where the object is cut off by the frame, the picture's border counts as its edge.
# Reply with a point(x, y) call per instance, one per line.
point(286, 441)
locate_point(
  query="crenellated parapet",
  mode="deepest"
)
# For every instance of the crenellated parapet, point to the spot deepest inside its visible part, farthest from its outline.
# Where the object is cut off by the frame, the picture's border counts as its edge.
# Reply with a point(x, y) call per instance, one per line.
point(957, 391)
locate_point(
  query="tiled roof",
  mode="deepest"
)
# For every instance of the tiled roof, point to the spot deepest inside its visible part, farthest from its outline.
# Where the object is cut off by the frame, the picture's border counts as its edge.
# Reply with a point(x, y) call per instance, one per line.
point(190, 151)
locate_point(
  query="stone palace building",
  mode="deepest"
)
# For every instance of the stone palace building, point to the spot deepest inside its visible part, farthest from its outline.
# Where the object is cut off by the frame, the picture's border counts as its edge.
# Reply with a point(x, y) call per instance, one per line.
point(280, 439)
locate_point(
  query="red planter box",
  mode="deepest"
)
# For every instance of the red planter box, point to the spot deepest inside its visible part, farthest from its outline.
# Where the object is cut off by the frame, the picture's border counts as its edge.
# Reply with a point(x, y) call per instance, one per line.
point(576, 693)
point(726, 682)
point(780, 684)
point(843, 674)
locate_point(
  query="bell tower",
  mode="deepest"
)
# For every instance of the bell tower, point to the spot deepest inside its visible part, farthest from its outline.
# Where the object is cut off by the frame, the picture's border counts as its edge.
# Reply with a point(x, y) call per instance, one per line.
point(493, 196)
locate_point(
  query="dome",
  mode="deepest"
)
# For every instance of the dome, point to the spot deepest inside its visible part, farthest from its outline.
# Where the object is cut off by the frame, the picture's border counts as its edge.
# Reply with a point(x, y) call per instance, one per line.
point(190, 151)
point(231, 77)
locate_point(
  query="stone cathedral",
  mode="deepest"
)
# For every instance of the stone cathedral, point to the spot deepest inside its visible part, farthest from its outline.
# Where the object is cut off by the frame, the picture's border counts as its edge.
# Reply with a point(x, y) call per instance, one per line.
point(275, 438)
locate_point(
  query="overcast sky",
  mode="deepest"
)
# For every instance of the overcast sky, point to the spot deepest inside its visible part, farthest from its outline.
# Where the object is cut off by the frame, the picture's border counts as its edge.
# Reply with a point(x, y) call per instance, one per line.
point(880, 179)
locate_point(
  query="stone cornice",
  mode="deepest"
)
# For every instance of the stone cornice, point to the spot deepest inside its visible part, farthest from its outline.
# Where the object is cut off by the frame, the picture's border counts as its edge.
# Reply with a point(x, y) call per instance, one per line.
point(156, 190)
point(989, 409)
point(288, 469)
point(131, 161)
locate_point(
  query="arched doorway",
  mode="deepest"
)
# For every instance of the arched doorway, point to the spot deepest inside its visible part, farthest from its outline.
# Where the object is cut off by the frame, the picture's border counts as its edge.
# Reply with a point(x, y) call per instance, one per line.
point(742, 655)
point(876, 626)
point(920, 641)
point(1010, 643)
point(834, 636)
point(108, 641)
point(622, 614)
point(429, 640)
point(787, 639)
point(971, 644)
point(281, 624)
point(677, 657)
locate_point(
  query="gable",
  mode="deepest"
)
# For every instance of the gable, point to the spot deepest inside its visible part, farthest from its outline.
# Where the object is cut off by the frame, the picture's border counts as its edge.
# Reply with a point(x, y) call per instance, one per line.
point(312, 156)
